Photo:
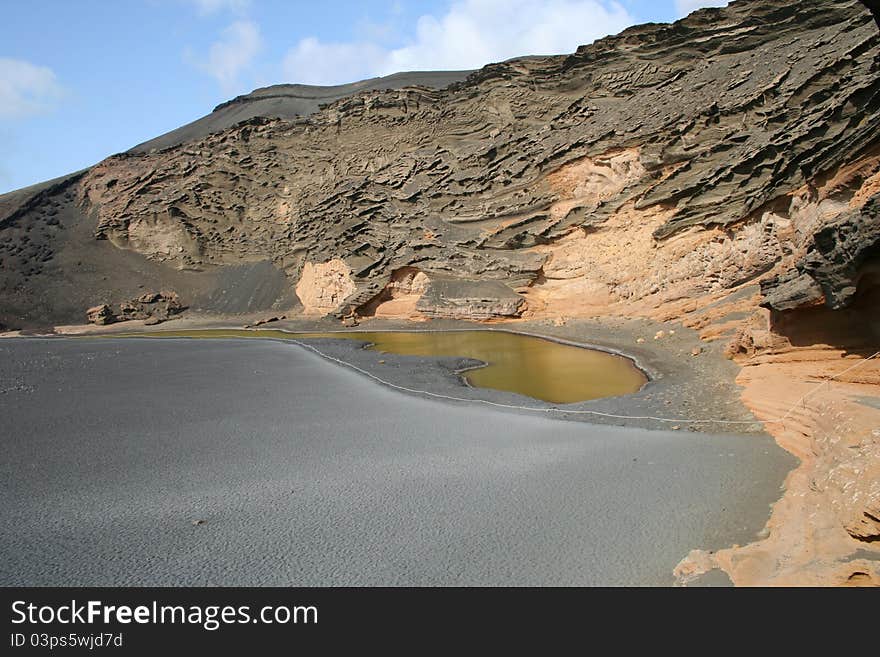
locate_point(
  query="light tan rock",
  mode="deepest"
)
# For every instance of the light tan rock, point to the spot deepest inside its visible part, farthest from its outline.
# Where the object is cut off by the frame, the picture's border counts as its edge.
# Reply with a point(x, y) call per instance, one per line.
point(323, 287)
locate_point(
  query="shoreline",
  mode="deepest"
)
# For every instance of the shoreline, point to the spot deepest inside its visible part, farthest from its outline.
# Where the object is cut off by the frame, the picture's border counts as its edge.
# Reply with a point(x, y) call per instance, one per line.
point(709, 381)
point(297, 336)
point(717, 479)
point(680, 387)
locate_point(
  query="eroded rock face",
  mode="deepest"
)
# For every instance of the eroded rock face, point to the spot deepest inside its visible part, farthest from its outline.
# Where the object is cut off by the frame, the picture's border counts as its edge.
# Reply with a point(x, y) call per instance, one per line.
point(843, 252)
point(839, 254)
point(468, 182)
point(621, 177)
point(791, 290)
point(465, 299)
point(407, 281)
point(400, 296)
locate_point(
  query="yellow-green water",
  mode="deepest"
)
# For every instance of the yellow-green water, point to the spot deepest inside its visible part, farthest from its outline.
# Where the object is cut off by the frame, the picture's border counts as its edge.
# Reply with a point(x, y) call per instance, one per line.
point(543, 369)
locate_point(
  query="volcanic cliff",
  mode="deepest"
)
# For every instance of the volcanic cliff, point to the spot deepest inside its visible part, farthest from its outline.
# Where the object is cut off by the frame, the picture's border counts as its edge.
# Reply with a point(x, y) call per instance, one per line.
point(722, 172)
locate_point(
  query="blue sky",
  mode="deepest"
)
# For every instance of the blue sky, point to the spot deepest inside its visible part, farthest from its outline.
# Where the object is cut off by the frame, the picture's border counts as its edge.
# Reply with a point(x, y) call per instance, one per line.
point(81, 80)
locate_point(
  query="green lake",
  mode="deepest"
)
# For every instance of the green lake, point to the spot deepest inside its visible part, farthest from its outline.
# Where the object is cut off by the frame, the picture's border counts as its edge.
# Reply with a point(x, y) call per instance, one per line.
point(535, 367)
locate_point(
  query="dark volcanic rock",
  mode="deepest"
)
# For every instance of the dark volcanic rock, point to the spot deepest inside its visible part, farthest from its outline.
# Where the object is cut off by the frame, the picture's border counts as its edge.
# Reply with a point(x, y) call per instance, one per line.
point(791, 290)
point(874, 6)
point(841, 250)
point(840, 254)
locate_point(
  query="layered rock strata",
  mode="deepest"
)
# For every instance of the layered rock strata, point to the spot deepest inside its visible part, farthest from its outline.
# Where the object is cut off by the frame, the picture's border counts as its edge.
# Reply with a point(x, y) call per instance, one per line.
point(465, 182)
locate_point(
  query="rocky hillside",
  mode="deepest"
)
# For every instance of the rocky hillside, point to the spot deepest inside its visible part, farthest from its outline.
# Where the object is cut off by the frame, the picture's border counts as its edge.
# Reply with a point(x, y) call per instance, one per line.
point(670, 161)
point(484, 188)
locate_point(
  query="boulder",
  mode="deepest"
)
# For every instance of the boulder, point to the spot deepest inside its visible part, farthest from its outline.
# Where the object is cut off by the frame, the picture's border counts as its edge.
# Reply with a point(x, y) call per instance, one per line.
point(101, 314)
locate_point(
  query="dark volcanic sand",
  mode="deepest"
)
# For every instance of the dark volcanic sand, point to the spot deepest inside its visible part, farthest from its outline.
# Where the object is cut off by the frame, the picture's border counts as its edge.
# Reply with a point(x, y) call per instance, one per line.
point(307, 473)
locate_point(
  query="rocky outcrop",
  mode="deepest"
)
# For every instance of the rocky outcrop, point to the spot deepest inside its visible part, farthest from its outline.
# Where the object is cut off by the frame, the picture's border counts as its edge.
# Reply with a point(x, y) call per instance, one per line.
point(400, 295)
point(291, 101)
point(841, 254)
point(846, 253)
point(791, 290)
point(152, 307)
point(322, 287)
point(101, 314)
point(467, 299)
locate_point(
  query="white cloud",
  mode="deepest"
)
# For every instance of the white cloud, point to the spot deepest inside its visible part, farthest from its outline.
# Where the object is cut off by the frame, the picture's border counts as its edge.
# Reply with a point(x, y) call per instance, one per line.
point(206, 7)
point(313, 62)
point(26, 89)
point(231, 55)
point(471, 34)
point(476, 32)
point(684, 7)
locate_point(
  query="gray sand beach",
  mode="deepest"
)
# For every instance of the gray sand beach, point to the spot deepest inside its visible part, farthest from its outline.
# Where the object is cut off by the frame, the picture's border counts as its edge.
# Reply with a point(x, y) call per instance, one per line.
point(246, 462)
